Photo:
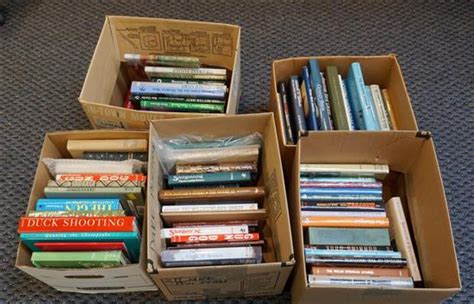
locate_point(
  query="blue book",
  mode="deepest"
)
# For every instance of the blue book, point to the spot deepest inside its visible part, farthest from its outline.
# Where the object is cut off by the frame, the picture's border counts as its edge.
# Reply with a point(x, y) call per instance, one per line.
point(336, 179)
point(350, 116)
point(341, 197)
point(317, 87)
point(358, 100)
point(372, 109)
point(66, 204)
point(178, 89)
point(306, 92)
point(352, 191)
point(299, 123)
point(315, 252)
point(131, 239)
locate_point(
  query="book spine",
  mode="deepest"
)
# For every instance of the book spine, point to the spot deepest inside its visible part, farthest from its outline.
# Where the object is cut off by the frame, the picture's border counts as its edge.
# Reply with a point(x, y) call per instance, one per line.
point(390, 110)
point(81, 246)
point(101, 177)
point(353, 205)
point(372, 108)
point(376, 185)
point(308, 215)
point(318, 92)
point(181, 106)
point(341, 198)
point(193, 169)
point(218, 245)
point(177, 89)
point(313, 252)
point(180, 71)
point(174, 255)
point(78, 205)
point(115, 156)
point(399, 231)
point(341, 191)
point(356, 271)
point(53, 183)
point(349, 236)
point(357, 262)
point(199, 81)
point(286, 112)
point(344, 169)
point(71, 213)
point(297, 107)
point(76, 224)
point(209, 178)
point(336, 100)
point(92, 259)
point(212, 194)
point(385, 282)
point(353, 247)
point(209, 208)
point(341, 179)
point(136, 98)
point(343, 221)
point(326, 100)
point(308, 98)
point(379, 106)
point(234, 229)
point(347, 106)
point(239, 237)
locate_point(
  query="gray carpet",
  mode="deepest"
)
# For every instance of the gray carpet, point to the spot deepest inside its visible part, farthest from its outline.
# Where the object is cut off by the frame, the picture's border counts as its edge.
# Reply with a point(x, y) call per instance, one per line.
point(45, 48)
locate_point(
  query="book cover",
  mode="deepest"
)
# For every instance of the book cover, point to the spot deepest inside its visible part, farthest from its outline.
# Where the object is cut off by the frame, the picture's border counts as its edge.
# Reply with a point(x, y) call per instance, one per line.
point(391, 112)
point(347, 281)
point(360, 271)
point(358, 262)
point(308, 99)
point(181, 106)
point(314, 252)
point(233, 237)
point(77, 224)
point(211, 195)
point(318, 93)
point(208, 208)
point(380, 107)
point(345, 221)
point(299, 122)
point(115, 156)
point(285, 107)
point(348, 236)
point(167, 233)
point(336, 101)
point(178, 89)
point(105, 177)
point(81, 246)
point(64, 204)
point(209, 178)
point(85, 259)
point(347, 106)
point(77, 147)
point(380, 171)
point(214, 168)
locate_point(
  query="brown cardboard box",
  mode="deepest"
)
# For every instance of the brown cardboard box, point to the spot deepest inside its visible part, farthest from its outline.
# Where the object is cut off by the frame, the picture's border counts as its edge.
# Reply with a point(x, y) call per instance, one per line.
point(192, 283)
point(416, 178)
point(128, 278)
point(107, 81)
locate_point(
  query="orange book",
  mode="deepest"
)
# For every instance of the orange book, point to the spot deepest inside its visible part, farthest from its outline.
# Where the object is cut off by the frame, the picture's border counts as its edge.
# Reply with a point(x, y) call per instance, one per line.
point(100, 177)
point(77, 224)
point(360, 271)
point(345, 221)
point(231, 237)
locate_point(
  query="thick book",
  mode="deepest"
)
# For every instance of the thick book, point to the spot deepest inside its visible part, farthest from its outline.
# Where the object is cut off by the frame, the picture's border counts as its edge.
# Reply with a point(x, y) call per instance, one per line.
point(211, 256)
point(211, 195)
point(336, 100)
point(29, 224)
point(186, 73)
point(286, 115)
point(308, 100)
point(85, 259)
point(181, 106)
point(209, 208)
point(391, 112)
point(104, 177)
point(354, 281)
point(382, 113)
point(399, 231)
point(64, 204)
point(215, 155)
point(377, 170)
point(178, 89)
point(347, 106)
point(345, 221)
point(115, 156)
point(77, 147)
point(348, 236)
point(340, 198)
point(167, 233)
point(131, 239)
point(297, 110)
point(81, 246)
point(231, 237)
point(357, 262)
point(214, 168)
point(318, 93)
point(362, 110)
point(78, 166)
point(360, 271)
point(97, 184)
point(210, 178)
point(375, 254)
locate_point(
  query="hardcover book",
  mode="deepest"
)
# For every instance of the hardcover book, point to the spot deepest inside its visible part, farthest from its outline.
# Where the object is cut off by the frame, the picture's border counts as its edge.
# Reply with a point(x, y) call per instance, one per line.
point(77, 147)
point(345, 221)
point(318, 93)
point(64, 204)
point(344, 281)
point(336, 100)
point(299, 121)
point(374, 254)
point(308, 100)
point(208, 208)
point(86, 259)
point(211, 195)
point(233, 237)
point(181, 106)
point(380, 171)
point(214, 168)
point(210, 178)
point(348, 236)
point(286, 112)
point(77, 224)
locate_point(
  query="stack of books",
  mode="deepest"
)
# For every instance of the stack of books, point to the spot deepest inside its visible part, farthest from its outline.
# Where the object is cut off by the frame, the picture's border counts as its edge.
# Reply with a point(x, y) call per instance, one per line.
point(347, 232)
point(315, 100)
point(93, 208)
point(214, 180)
point(176, 84)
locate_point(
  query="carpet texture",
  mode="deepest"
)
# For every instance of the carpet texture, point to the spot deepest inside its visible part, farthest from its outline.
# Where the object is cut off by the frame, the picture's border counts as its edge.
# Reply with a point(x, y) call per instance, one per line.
point(46, 46)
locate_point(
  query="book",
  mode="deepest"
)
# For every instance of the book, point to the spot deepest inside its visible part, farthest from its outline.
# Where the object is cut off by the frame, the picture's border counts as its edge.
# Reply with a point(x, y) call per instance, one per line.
point(81, 246)
point(115, 156)
point(71, 213)
point(196, 81)
point(220, 155)
point(318, 92)
point(336, 100)
point(211, 195)
point(211, 256)
point(336, 179)
point(382, 114)
point(360, 271)
point(362, 109)
point(136, 99)
point(249, 223)
point(232, 237)
point(186, 73)
point(208, 208)
point(391, 112)
point(347, 281)
point(97, 184)
point(77, 147)
point(214, 168)
point(165, 60)
point(308, 215)
point(379, 170)
point(326, 99)
point(84, 259)
point(347, 106)
point(314, 252)
point(209, 178)
point(345, 221)
point(105, 177)
point(376, 185)
point(357, 262)
point(219, 244)
point(181, 106)
point(399, 231)
point(353, 247)
point(77, 224)
point(285, 110)
point(347, 206)
point(340, 191)
point(78, 166)
point(64, 204)
point(373, 106)
point(167, 233)
point(308, 100)
point(144, 88)
point(299, 122)
point(348, 236)
point(340, 198)
point(130, 239)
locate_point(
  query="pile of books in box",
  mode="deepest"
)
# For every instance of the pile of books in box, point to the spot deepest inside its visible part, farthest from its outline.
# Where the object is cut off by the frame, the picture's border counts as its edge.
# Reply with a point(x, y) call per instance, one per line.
point(347, 231)
point(208, 198)
point(175, 84)
point(93, 208)
point(325, 101)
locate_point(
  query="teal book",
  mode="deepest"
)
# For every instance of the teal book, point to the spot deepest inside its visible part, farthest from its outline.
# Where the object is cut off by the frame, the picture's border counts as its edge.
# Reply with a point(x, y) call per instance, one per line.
point(80, 259)
point(349, 236)
point(235, 177)
point(131, 239)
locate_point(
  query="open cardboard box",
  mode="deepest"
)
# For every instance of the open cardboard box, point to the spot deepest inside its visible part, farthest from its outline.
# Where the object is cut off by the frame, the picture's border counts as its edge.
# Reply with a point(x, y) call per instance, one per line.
point(107, 80)
point(132, 277)
point(192, 283)
point(415, 177)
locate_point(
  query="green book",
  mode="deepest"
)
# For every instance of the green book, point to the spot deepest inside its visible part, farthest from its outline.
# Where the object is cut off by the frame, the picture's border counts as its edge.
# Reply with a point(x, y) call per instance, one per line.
point(336, 100)
point(181, 106)
point(210, 178)
point(80, 259)
point(349, 236)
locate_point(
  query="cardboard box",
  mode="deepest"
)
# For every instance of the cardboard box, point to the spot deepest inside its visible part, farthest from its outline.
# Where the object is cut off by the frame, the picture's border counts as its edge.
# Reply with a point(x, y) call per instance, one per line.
point(415, 177)
point(193, 283)
point(107, 80)
point(127, 278)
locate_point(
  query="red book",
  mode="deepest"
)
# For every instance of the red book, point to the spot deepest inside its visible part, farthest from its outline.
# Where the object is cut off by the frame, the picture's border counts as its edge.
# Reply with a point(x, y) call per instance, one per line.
point(77, 224)
point(239, 237)
point(101, 177)
point(126, 102)
point(81, 246)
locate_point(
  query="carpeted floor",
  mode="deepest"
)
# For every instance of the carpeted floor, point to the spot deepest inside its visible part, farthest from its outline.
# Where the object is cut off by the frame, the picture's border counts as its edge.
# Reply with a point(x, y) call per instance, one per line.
point(45, 48)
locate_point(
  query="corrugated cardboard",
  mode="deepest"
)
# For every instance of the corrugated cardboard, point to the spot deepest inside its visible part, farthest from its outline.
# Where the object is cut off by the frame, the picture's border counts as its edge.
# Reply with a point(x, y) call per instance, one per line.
point(192, 283)
point(127, 278)
point(107, 82)
point(416, 178)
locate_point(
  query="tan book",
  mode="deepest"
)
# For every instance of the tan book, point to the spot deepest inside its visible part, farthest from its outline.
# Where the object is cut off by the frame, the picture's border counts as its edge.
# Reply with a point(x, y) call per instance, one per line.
point(399, 232)
point(215, 155)
point(214, 168)
point(77, 147)
point(211, 195)
point(389, 108)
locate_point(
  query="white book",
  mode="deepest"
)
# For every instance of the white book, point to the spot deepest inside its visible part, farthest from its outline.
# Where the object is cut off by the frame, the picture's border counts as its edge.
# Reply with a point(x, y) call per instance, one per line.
point(159, 87)
point(167, 233)
point(177, 70)
point(209, 208)
point(362, 281)
point(380, 107)
point(72, 166)
point(206, 254)
point(346, 169)
point(345, 98)
point(343, 213)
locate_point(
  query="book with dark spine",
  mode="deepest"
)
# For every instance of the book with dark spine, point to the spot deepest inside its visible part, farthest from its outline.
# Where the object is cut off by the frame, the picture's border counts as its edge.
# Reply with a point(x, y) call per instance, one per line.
point(358, 262)
point(308, 99)
point(299, 123)
point(211, 195)
point(209, 178)
point(142, 156)
point(286, 112)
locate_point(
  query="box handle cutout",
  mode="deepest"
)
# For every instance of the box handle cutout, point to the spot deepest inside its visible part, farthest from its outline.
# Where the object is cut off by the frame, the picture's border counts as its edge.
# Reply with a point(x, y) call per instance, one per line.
point(98, 276)
point(100, 288)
